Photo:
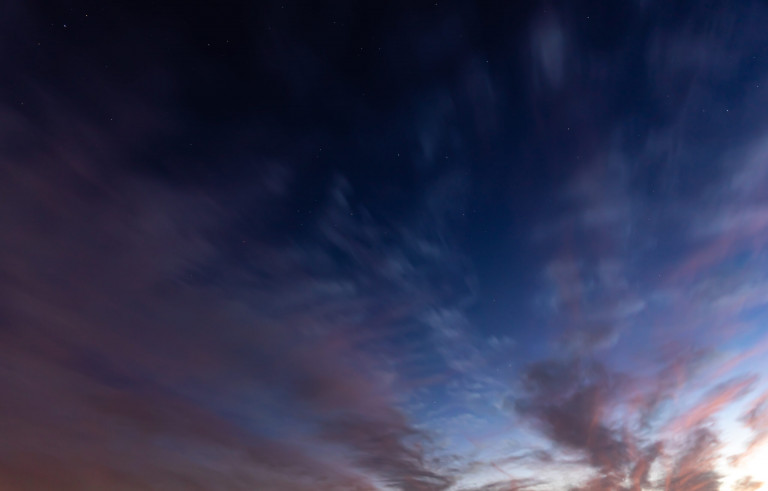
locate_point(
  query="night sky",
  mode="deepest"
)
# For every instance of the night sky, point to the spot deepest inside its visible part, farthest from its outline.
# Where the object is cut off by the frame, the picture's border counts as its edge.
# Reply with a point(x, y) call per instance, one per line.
point(358, 246)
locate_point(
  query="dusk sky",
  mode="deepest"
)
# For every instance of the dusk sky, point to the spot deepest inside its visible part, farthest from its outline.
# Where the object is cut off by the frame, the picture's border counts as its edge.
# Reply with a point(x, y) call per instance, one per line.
point(383, 246)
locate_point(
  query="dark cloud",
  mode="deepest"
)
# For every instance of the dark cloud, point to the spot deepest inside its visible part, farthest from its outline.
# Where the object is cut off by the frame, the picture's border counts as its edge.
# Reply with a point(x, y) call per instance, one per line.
point(639, 476)
point(391, 449)
point(165, 377)
point(695, 468)
point(569, 401)
point(573, 402)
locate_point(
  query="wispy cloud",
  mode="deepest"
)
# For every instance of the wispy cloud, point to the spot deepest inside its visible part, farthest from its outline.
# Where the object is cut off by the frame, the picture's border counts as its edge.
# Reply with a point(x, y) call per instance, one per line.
point(173, 365)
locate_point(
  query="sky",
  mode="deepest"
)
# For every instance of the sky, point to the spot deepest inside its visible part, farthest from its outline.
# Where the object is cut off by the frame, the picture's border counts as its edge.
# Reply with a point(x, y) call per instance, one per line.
point(391, 246)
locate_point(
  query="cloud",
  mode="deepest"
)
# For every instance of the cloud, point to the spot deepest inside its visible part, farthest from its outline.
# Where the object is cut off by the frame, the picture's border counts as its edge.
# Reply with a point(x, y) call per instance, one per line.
point(695, 468)
point(582, 406)
point(747, 484)
point(548, 46)
point(146, 354)
point(713, 402)
point(568, 401)
point(388, 447)
point(508, 485)
point(756, 420)
point(176, 334)
point(639, 476)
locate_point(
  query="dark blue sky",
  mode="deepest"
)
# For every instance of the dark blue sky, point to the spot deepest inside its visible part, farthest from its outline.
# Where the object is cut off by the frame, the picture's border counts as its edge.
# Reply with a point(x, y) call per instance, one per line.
point(408, 246)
